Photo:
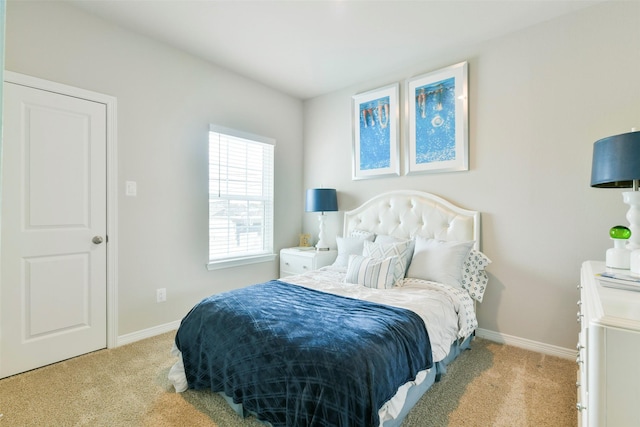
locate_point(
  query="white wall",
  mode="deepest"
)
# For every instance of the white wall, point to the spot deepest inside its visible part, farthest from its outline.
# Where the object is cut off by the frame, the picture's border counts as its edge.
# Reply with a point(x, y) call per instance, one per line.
point(166, 100)
point(3, 7)
point(538, 101)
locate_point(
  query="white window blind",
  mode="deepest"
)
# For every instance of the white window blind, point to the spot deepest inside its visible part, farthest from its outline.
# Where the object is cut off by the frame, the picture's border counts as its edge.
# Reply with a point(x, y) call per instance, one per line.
point(240, 197)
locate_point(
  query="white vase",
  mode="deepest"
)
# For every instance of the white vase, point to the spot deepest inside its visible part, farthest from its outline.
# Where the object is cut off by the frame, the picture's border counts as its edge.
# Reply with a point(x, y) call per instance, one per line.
point(619, 256)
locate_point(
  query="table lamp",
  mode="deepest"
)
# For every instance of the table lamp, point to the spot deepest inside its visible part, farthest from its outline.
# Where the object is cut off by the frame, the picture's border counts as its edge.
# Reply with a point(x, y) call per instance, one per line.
point(616, 164)
point(321, 200)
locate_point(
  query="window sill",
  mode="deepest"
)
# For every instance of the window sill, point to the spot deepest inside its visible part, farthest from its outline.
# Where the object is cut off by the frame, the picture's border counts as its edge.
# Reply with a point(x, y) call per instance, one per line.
point(236, 262)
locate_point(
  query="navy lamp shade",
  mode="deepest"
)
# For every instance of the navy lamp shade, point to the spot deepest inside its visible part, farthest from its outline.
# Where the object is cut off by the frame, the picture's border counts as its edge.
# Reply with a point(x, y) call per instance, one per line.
point(616, 164)
point(321, 200)
point(616, 161)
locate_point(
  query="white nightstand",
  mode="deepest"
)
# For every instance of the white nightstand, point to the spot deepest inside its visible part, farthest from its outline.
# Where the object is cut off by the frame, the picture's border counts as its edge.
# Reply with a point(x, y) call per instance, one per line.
point(300, 260)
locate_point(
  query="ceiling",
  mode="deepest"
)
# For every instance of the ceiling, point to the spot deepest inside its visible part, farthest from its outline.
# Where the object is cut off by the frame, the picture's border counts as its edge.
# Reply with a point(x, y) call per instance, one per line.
point(308, 48)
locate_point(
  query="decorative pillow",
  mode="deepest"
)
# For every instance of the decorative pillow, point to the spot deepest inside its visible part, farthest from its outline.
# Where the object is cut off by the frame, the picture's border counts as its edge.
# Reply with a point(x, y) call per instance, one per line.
point(475, 262)
point(439, 261)
point(477, 287)
point(474, 278)
point(371, 272)
point(369, 235)
point(384, 238)
point(349, 246)
point(402, 250)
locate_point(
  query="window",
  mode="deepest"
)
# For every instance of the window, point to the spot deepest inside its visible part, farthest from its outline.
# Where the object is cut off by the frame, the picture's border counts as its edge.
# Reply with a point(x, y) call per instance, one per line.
point(240, 198)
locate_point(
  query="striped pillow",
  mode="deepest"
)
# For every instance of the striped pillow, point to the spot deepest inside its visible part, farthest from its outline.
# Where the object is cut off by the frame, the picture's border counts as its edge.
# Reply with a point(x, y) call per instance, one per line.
point(371, 272)
point(402, 249)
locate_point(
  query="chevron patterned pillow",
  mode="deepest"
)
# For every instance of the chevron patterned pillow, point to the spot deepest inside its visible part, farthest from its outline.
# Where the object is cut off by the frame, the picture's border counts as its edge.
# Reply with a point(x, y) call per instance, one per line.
point(403, 250)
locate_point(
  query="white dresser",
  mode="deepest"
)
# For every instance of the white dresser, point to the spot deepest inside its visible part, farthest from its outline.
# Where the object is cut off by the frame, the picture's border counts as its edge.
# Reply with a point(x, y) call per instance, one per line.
point(300, 260)
point(608, 353)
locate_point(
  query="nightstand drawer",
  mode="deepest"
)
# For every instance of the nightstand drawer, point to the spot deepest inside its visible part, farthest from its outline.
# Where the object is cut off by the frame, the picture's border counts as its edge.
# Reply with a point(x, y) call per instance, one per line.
point(295, 264)
point(300, 260)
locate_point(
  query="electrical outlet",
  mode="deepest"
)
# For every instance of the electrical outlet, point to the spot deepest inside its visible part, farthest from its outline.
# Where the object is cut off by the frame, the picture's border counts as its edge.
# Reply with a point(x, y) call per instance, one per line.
point(161, 295)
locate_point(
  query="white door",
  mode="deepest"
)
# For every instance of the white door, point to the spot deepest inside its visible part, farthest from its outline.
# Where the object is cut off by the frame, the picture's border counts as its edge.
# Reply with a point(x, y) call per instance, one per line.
point(53, 253)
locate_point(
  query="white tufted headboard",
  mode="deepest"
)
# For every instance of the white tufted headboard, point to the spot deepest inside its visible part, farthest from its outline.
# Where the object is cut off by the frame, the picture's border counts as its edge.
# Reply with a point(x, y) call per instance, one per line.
point(407, 213)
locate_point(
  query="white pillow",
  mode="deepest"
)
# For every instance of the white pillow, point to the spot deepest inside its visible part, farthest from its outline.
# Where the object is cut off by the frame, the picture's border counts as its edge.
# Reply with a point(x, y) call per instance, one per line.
point(384, 238)
point(403, 250)
point(371, 272)
point(439, 261)
point(352, 245)
point(474, 278)
point(356, 232)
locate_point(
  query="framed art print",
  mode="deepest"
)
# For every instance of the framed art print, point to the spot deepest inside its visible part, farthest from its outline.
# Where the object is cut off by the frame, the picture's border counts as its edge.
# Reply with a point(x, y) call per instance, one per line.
point(437, 110)
point(375, 133)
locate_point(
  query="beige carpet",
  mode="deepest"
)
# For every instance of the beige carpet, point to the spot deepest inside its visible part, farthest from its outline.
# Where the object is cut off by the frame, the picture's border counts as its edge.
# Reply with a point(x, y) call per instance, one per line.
point(491, 385)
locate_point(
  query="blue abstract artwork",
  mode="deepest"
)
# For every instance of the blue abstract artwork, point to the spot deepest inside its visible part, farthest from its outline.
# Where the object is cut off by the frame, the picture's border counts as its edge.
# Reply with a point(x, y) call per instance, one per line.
point(435, 122)
point(375, 134)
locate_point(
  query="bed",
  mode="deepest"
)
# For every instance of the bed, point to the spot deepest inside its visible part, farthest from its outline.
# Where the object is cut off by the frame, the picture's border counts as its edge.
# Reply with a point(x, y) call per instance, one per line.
point(356, 343)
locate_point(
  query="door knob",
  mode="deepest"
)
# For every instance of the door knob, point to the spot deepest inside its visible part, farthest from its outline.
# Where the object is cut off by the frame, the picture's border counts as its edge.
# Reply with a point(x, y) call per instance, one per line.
point(97, 240)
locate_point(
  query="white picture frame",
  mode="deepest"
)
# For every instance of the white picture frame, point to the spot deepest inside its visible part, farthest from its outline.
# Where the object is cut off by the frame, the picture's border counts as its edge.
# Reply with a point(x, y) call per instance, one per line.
point(375, 121)
point(437, 115)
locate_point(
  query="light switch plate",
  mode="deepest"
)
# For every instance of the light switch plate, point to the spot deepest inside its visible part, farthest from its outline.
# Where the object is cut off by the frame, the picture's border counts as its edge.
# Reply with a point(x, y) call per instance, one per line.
point(131, 188)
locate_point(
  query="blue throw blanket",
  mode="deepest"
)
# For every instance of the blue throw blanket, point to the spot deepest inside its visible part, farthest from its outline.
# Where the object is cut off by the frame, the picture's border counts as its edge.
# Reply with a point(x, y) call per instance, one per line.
point(299, 357)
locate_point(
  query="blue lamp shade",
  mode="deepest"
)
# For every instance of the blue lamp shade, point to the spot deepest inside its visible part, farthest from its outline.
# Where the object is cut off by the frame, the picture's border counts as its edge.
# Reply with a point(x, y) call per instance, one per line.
point(321, 200)
point(616, 161)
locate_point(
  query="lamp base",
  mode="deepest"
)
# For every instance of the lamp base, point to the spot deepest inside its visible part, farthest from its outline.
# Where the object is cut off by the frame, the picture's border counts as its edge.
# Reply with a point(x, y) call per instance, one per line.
point(321, 245)
point(632, 198)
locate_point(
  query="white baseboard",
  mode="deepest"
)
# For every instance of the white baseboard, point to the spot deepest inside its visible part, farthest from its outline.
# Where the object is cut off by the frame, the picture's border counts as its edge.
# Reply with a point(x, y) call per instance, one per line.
point(551, 350)
point(539, 347)
point(147, 333)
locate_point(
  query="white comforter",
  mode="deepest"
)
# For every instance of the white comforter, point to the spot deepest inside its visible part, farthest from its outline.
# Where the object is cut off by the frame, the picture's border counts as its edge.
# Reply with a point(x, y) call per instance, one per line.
point(447, 312)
